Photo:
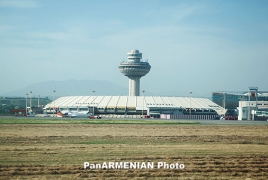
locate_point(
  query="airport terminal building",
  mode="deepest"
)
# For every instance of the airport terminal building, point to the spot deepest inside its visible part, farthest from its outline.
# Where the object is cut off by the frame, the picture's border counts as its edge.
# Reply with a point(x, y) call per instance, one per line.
point(230, 100)
point(137, 106)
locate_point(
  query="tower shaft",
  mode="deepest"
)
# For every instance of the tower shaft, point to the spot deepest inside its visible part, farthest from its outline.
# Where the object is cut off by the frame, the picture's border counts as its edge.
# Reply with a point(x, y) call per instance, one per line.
point(134, 86)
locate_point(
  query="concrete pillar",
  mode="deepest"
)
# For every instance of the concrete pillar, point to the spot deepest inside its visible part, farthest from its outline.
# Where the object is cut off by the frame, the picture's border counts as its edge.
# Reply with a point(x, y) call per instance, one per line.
point(134, 86)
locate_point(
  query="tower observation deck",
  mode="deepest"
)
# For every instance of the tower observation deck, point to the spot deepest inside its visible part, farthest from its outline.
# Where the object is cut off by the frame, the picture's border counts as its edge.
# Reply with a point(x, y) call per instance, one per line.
point(134, 69)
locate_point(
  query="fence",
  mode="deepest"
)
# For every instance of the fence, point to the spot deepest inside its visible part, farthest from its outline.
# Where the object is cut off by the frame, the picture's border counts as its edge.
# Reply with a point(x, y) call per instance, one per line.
point(182, 116)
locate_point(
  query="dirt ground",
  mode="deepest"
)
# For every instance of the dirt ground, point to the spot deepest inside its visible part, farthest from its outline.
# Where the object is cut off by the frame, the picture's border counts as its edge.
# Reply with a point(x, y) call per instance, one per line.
point(58, 151)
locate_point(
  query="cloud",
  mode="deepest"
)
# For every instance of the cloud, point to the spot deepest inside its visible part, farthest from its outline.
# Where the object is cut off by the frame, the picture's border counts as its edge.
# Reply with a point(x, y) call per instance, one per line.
point(19, 3)
point(174, 14)
point(60, 36)
point(5, 28)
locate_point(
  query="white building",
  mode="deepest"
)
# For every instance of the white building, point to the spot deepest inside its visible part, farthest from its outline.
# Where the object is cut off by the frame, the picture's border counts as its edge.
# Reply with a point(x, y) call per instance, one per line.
point(248, 110)
point(129, 106)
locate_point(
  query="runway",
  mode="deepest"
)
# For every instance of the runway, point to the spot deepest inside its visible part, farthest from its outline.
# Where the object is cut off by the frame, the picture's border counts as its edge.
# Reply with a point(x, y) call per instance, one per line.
point(227, 122)
point(205, 121)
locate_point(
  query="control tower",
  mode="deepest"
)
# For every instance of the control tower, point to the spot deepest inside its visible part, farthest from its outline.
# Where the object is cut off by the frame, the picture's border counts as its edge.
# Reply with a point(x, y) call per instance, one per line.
point(134, 69)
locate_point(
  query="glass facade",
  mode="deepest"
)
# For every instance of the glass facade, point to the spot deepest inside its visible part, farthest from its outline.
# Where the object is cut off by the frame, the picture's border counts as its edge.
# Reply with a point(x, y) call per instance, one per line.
point(231, 100)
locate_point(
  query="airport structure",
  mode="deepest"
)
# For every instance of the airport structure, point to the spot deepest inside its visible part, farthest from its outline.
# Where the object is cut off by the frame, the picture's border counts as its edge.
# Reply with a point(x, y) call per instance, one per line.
point(225, 104)
point(247, 105)
point(137, 106)
point(134, 105)
point(253, 110)
point(134, 69)
point(230, 100)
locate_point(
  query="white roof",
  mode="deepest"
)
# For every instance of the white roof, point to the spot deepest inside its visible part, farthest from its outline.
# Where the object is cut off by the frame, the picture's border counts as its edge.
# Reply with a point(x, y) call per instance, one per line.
point(138, 102)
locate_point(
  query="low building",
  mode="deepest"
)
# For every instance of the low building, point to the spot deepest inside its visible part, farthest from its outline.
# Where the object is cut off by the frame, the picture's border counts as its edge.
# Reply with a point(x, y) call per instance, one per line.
point(250, 110)
point(134, 106)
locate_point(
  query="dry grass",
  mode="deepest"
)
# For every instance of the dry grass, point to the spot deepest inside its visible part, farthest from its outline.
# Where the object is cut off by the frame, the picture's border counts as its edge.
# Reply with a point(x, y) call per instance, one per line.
point(57, 151)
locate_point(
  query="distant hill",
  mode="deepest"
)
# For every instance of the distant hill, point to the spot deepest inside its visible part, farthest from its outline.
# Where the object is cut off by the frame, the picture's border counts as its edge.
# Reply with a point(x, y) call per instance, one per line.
point(71, 88)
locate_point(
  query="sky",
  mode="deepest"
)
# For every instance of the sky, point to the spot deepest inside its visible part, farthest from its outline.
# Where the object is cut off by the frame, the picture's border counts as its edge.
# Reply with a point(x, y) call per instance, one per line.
point(192, 46)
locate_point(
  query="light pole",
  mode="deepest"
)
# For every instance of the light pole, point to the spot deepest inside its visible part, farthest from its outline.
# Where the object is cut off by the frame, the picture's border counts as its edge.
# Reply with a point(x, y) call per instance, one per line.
point(224, 103)
point(191, 103)
point(143, 103)
point(54, 101)
point(93, 102)
point(26, 103)
point(38, 100)
point(30, 99)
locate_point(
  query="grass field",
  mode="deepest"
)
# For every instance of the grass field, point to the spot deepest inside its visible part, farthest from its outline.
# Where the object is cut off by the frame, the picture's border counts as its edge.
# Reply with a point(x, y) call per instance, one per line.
point(58, 149)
